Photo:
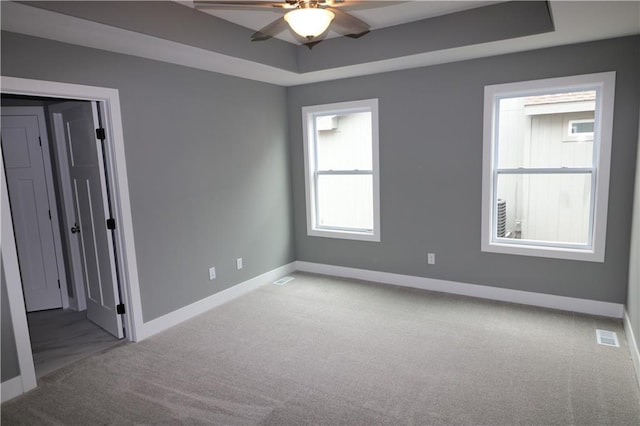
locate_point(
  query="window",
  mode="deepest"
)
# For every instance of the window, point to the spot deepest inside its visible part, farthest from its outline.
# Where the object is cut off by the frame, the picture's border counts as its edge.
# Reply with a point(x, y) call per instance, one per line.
point(581, 127)
point(341, 170)
point(547, 147)
point(579, 130)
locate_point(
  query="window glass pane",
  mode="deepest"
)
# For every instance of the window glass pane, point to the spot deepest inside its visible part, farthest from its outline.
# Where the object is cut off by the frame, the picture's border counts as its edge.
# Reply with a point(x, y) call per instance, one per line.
point(544, 207)
point(344, 141)
point(581, 127)
point(533, 131)
point(345, 201)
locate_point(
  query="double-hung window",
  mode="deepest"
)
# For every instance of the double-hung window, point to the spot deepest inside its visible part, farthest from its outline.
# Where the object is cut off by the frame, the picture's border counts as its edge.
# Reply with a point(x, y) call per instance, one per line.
point(341, 170)
point(546, 158)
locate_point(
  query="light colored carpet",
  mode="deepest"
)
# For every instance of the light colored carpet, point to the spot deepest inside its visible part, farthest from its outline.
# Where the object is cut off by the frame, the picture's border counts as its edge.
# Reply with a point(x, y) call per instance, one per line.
point(327, 351)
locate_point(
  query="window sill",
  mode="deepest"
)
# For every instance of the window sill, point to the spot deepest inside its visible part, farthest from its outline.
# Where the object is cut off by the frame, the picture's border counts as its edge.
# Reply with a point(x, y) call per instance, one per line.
point(345, 235)
point(587, 255)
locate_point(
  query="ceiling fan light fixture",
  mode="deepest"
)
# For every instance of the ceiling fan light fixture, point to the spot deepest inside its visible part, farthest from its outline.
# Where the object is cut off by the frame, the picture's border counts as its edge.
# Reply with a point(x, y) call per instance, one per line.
point(309, 22)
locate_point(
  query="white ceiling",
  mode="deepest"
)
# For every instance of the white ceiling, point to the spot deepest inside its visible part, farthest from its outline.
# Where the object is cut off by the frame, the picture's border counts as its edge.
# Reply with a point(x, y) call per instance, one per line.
point(376, 13)
point(575, 22)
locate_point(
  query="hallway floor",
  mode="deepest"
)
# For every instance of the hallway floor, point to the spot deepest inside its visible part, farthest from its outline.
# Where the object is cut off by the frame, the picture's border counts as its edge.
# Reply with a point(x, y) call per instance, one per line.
point(61, 336)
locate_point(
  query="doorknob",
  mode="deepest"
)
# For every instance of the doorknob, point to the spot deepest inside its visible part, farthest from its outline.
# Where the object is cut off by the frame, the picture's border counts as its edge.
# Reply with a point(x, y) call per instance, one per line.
point(75, 229)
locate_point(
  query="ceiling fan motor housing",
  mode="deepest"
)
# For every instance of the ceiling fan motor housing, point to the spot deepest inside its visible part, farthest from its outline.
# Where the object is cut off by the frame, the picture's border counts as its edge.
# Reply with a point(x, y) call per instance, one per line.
point(309, 19)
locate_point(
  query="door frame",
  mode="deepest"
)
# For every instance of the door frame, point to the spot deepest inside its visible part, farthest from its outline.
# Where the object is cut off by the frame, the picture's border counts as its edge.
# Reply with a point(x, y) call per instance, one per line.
point(109, 101)
point(38, 111)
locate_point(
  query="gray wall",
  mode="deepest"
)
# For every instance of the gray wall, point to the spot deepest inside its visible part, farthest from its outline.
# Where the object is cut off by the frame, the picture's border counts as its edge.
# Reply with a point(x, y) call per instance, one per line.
point(207, 160)
point(431, 168)
point(165, 19)
point(209, 170)
point(633, 296)
point(162, 19)
point(499, 21)
point(9, 365)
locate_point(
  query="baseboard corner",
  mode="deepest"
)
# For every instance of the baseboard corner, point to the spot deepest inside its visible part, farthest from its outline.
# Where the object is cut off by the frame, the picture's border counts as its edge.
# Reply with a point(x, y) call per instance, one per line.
point(185, 313)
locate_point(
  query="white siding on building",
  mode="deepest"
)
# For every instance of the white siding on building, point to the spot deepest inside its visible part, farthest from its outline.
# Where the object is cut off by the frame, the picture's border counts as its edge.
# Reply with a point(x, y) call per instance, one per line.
point(549, 207)
point(345, 200)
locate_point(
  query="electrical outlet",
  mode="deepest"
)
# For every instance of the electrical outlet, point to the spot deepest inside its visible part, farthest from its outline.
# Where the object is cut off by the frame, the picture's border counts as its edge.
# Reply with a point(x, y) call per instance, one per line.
point(239, 263)
point(431, 258)
point(212, 273)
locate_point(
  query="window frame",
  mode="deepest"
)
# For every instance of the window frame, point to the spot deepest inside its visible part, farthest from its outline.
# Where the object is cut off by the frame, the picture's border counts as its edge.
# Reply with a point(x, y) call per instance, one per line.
point(594, 250)
point(312, 174)
point(579, 121)
point(569, 136)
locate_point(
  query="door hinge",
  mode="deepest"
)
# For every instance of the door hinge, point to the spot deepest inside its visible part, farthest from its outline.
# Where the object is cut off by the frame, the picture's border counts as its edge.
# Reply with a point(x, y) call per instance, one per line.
point(111, 224)
point(59, 284)
point(120, 309)
point(49, 214)
point(40, 140)
point(100, 134)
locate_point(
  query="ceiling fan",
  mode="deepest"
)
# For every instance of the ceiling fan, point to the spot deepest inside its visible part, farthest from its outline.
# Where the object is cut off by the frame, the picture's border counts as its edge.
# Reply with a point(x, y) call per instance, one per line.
point(309, 19)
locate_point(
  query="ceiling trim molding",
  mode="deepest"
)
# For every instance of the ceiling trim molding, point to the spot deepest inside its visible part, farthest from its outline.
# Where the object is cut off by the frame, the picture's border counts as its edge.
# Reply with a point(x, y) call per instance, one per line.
point(42, 23)
point(597, 20)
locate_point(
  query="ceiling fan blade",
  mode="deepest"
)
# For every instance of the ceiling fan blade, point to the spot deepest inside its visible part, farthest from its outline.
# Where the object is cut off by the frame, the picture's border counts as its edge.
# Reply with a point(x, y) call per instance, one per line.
point(271, 30)
point(348, 25)
point(358, 35)
point(361, 4)
point(204, 4)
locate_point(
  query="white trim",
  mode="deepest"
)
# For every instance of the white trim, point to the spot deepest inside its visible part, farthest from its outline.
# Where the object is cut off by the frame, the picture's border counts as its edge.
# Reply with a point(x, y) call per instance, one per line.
point(14, 288)
point(125, 245)
point(634, 349)
point(121, 206)
point(11, 388)
point(309, 147)
point(595, 21)
point(176, 317)
point(25, 19)
point(605, 83)
point(592, 307)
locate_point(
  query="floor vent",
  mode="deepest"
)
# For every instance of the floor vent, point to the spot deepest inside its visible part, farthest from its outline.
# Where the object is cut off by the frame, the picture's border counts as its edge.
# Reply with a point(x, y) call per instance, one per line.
point(283, 280)
point(607, 338)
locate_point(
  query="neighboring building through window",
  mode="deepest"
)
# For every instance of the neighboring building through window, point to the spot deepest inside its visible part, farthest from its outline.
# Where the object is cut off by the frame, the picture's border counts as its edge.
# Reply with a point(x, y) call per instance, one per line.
point(341, 170)
point(547, 147)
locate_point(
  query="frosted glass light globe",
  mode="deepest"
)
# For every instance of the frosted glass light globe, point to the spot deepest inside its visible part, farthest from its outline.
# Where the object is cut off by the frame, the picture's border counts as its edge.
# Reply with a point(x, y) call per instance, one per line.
point(309, 22)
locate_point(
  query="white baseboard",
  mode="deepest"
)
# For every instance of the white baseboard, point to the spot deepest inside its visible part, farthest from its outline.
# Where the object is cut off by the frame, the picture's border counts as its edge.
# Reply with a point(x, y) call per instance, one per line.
point(593, 307)
point(183, 314)
point(633, 344)
point(11, 388)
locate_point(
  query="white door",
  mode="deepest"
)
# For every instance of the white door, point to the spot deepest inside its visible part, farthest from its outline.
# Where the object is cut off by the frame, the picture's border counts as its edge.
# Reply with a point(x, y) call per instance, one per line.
point(74, 123)
point(24, 162)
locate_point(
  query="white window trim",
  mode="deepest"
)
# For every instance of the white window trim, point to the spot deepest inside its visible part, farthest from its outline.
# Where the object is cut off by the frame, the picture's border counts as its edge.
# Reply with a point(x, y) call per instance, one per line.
point(309, 164)
point(605, 84)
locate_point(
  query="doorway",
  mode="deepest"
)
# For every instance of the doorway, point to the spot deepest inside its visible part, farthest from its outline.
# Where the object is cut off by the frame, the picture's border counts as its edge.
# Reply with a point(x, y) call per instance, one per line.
point(37, 135)
point(122, 236)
